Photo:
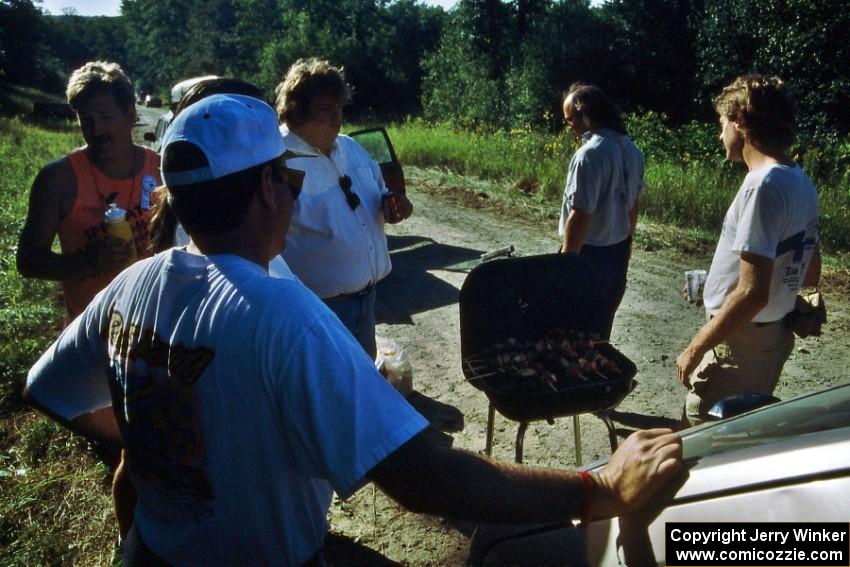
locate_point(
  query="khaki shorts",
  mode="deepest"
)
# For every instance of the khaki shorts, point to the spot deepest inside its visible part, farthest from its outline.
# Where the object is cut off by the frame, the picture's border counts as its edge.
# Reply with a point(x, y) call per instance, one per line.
point(750, 361)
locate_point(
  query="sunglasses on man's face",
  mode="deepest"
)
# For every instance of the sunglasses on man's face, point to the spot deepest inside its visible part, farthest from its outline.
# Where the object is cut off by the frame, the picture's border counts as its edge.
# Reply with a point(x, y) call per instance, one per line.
point(294, 179)
point(350, 196)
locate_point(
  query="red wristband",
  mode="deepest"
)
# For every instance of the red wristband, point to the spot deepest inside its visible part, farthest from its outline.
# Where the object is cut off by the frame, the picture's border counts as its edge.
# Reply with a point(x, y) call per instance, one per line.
point(586, 495)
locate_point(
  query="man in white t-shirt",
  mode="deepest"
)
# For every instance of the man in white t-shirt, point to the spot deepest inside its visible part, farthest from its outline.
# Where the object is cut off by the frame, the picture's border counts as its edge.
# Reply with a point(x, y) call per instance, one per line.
point(600, 206)
point(767, 251)
point(243, 403)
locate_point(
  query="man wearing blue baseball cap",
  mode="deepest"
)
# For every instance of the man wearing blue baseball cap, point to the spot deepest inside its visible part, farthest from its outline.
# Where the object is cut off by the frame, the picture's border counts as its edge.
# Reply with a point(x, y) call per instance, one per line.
point(241, 400)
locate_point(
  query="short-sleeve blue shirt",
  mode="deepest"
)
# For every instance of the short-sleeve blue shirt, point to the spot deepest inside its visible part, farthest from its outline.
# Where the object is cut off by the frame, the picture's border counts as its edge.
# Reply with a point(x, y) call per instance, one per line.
point(243, 403)
point(604, 178)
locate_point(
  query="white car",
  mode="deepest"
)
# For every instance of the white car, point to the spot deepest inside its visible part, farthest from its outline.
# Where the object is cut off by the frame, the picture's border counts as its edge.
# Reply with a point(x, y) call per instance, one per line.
point(177, 92)
point(785, 462)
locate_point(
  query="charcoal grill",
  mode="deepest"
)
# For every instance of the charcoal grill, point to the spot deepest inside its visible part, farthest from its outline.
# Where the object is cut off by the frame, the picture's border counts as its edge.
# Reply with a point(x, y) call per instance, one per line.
point(520, 299)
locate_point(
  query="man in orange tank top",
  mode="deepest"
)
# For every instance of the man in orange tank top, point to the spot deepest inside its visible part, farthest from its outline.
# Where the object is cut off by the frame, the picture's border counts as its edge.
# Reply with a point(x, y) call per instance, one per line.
point(69, 196)
point(68, 199)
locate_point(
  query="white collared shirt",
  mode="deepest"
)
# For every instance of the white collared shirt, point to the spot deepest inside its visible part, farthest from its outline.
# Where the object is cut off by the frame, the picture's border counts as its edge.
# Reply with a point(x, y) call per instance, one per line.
point(332, 249)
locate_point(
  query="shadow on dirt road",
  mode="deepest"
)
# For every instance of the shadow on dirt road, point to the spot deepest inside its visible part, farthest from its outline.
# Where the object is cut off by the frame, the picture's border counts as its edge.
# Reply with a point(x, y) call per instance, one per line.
point(410, 289)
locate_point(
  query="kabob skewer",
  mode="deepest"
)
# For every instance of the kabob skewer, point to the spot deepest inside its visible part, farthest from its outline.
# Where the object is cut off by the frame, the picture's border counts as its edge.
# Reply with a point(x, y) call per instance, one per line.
point(555, 361)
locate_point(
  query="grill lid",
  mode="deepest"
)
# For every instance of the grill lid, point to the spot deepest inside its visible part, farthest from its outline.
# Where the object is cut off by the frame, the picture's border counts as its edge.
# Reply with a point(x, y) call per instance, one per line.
point(523, 297)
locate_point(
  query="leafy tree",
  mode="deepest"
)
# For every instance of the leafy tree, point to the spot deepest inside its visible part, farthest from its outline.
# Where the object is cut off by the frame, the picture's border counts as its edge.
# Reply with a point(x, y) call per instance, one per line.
point(74, 40)
point(379, 45)
point(515, 79)
point(458, 87)
point(560, 43)
point(801, 41)
point(22, 34)
point(161, 43)
point(652, 53)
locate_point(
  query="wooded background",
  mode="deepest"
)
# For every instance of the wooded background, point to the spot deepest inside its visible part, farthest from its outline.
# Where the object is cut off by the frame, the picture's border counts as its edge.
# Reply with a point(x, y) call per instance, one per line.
point(485, 63)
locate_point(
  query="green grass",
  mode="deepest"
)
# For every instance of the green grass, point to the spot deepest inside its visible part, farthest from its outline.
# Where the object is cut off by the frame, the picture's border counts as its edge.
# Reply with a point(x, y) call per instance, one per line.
point(29, 311)
point(531, 161)
point(54, 498)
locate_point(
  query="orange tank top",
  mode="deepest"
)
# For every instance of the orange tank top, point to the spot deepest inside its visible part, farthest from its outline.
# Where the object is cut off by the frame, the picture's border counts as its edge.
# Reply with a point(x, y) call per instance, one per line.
point(85, 224)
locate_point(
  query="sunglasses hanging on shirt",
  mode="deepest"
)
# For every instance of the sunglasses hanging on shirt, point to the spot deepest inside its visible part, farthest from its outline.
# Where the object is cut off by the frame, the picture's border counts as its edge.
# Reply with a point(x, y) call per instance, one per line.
point(350, 196)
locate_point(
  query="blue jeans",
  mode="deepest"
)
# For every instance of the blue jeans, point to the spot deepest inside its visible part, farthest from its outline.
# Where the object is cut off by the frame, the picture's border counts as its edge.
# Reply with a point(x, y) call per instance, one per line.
point(357, 313)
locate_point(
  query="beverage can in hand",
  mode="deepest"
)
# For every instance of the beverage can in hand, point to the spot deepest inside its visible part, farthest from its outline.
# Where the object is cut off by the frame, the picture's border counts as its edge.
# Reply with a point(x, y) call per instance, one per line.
point(390, 202)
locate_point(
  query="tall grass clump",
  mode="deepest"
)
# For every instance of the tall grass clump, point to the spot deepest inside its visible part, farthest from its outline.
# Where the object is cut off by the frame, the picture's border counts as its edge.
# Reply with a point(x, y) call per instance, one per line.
point(535, 160)
point(829, 167)
point(687, 183)
point(29, 311)
point(54, 499)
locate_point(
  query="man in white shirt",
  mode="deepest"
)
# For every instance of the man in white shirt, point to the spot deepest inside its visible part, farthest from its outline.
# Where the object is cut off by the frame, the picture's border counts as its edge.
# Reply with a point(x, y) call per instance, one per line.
point(337, 245)
point(768, 249)
point(600, 206)
point(242, 402)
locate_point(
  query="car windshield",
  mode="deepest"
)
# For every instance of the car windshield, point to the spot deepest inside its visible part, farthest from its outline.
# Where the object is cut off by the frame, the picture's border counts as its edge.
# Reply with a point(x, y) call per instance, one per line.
point(823, 411)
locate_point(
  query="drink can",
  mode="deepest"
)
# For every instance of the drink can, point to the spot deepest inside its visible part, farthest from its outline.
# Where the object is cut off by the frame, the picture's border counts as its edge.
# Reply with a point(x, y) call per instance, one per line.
point(390, 203)
point(694, 284)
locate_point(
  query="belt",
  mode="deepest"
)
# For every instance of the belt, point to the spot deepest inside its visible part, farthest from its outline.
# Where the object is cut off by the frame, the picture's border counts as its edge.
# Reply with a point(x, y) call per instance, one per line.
point(365, 291)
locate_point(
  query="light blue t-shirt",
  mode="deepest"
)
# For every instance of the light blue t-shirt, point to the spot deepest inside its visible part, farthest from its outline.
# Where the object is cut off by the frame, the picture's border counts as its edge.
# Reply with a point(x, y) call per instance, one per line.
point(245, 403)
point(604, 178)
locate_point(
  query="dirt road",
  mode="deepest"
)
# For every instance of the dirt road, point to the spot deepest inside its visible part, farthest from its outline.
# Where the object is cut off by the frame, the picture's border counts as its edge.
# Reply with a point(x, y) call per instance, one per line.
point(417, 307)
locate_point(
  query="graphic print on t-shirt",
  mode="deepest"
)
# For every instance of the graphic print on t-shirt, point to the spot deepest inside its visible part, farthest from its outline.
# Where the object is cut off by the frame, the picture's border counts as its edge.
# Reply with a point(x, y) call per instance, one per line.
point(158, 408)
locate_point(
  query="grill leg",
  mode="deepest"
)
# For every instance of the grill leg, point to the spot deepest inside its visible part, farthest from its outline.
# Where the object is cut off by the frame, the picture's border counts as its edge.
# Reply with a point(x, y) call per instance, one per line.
point(577, 439)
point(520, 437)
point(612, 432)
point(491, 418)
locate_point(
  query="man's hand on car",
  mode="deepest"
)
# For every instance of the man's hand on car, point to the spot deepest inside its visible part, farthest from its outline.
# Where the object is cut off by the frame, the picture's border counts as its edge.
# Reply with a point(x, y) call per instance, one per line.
point(645, 462)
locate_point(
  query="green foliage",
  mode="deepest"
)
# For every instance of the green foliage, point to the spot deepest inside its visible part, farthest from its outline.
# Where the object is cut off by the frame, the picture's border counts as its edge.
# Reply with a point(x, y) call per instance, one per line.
point(515, 78)
point(651, 58)
point(457, 88)
point(77, 39)
point(41, 464)
point(532, 160)
point(28, 309)
point(801, 41)
point(680, 145)
point(22, 55)
point(162, 47)
point(379, 44)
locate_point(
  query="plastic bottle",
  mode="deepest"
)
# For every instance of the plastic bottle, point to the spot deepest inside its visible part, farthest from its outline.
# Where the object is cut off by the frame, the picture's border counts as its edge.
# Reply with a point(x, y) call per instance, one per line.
point(398, 370)
point(118, 227)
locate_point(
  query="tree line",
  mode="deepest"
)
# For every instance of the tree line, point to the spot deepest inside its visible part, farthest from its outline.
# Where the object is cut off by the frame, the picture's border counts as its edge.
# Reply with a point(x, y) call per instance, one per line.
point(483, 64)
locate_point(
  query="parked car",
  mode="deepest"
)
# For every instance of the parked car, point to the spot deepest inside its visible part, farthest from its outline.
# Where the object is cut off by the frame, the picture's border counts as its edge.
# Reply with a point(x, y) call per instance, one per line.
point(785, 462)
point(377, 143)
point(153, 101)
point(177, 92)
